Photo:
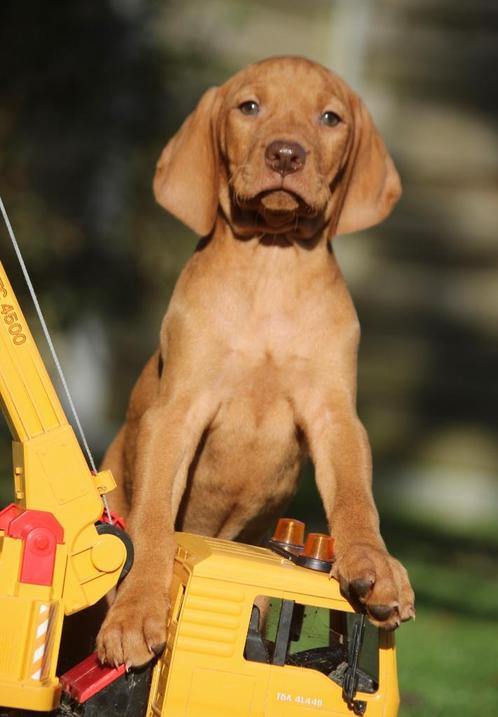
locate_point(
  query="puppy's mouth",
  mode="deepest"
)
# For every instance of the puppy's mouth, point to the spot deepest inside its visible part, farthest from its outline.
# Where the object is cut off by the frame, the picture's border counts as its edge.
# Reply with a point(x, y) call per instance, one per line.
point(279, 201)
point(279, 207)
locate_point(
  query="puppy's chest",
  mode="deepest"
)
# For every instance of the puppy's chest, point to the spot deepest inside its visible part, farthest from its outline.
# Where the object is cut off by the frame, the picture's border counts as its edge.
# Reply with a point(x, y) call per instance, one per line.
point(272, 323)
point(263, 336)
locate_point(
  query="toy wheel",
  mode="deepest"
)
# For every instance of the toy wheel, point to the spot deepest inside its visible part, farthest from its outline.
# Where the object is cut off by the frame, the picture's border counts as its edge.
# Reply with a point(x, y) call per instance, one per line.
point(107, 528)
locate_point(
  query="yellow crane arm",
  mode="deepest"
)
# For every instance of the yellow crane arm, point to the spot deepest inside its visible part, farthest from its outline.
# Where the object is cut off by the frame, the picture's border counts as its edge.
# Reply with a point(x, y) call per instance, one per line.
point(29, 401)
point(51, 528)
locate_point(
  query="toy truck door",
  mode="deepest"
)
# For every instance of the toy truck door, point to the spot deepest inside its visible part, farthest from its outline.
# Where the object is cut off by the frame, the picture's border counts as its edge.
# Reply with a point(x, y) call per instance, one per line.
point(159, 682)
point(309, 652)
point(209, 674)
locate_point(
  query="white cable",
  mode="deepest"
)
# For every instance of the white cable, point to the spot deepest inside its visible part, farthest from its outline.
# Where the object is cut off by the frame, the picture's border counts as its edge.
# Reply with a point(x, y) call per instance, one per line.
point(52, 349)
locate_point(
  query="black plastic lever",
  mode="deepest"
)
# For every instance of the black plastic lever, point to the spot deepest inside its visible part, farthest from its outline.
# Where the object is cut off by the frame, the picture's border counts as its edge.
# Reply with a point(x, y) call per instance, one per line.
point(350, 683)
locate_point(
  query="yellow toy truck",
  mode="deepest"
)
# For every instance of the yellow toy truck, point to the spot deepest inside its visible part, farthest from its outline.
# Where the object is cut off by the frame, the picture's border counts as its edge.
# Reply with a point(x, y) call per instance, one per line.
point(252, 632)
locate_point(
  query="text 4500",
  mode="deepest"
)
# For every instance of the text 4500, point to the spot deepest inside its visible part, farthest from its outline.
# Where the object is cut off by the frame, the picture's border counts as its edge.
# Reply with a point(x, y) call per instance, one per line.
point(299, 699)
point(15, 328)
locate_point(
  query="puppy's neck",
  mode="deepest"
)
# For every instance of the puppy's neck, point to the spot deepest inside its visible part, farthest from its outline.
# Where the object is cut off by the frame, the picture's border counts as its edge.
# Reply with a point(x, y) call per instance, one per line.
point(286, 267)
point(229, 234)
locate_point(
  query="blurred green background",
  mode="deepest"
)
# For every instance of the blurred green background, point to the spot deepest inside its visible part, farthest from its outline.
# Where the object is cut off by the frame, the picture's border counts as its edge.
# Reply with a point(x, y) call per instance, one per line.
point(89, 94)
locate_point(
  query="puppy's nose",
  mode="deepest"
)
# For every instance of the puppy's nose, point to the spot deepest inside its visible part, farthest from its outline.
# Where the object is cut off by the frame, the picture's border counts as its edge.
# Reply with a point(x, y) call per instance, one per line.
point(285, 157)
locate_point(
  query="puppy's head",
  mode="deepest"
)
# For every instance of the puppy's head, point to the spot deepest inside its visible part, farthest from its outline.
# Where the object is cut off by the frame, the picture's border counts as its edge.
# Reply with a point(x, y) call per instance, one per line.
point(284, 147)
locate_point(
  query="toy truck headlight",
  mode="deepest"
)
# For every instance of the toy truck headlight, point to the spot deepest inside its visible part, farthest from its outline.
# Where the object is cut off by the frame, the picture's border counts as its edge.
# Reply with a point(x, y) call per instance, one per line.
point(289, 532)
point(288, 540)
point(319, 546)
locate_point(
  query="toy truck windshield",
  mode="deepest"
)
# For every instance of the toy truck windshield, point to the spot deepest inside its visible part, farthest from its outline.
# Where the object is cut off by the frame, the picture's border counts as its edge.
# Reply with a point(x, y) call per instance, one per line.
point(285, 632)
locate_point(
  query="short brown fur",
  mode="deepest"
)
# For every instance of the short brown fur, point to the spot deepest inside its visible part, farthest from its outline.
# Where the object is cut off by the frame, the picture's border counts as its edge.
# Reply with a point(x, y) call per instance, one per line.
point(256, 365)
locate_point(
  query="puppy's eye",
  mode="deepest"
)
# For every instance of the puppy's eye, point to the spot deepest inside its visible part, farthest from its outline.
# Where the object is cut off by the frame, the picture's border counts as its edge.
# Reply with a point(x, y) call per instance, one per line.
point(330, 119)
point(249, 108)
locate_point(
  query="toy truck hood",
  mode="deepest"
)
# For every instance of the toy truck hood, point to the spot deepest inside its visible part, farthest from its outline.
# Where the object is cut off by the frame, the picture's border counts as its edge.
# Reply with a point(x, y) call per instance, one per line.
point(250, 565)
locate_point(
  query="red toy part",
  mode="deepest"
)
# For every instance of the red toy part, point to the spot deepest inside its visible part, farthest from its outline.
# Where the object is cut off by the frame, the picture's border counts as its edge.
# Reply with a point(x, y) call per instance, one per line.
point(39, 557)
point(116, 519)
point(89, 677)
point(7, 514)
point(40, 532)
point(27, 520)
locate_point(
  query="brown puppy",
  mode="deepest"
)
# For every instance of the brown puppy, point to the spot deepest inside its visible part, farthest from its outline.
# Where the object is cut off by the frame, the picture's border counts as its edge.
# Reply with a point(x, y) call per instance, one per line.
point(257, 359)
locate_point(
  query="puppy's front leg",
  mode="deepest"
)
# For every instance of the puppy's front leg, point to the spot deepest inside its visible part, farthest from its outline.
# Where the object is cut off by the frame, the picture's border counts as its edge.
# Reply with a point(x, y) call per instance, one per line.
point(341, 453)
point(135, 626)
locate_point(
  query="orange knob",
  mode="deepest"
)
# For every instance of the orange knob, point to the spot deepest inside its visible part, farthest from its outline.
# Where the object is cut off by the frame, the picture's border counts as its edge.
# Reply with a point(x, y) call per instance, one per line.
point(319, 546)
point(289, 531)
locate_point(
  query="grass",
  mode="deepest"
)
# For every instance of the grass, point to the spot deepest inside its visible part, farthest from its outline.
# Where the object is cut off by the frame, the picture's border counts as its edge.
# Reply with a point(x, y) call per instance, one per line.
point(448, 666)
point(448, 658)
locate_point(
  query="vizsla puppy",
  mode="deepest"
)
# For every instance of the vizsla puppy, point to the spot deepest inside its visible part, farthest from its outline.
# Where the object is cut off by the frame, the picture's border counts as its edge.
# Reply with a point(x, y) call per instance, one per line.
point(256, 365)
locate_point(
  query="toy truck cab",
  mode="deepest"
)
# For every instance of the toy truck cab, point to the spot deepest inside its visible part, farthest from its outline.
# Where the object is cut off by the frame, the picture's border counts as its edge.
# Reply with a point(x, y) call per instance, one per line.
point(253, 634)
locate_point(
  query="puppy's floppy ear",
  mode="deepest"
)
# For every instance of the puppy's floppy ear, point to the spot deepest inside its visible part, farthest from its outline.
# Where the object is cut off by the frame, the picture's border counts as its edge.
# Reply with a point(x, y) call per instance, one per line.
point(186, 182)
point(373, 185)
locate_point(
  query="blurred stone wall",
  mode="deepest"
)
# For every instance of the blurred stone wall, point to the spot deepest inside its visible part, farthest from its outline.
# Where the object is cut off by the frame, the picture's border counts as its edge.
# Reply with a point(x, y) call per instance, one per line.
point(426, 282)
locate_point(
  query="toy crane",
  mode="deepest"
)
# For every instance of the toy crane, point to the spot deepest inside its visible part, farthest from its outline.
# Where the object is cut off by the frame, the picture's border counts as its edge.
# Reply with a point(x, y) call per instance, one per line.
point(55, 559)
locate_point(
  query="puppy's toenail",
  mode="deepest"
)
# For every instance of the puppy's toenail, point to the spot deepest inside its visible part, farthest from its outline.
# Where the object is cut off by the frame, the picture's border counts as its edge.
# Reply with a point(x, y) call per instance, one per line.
point(409, 615)
point(157, 649)
point(344, 586)
point(380, 612)
point(361, 587)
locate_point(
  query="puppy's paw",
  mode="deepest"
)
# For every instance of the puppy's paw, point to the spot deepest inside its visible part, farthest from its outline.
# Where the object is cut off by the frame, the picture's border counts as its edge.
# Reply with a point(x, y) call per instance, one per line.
point(134, 630)
point(372, 577)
